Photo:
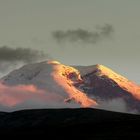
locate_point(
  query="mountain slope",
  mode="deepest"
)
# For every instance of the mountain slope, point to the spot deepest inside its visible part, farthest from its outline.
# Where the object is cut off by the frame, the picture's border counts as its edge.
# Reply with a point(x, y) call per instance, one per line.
point(50, 84)
point(105, 85)
point(54, 80)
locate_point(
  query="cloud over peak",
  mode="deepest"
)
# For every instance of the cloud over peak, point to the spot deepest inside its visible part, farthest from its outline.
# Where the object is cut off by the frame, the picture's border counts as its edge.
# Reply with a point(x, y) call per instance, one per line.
point(19, 54)
point(11, 58)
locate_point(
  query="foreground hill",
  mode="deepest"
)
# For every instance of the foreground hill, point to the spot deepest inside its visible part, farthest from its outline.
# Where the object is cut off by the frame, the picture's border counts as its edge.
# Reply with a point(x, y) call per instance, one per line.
point(70, 122)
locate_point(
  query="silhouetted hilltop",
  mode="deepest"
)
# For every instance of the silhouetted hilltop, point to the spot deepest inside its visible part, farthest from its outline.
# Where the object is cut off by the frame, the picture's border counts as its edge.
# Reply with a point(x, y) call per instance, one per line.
point(71, 122)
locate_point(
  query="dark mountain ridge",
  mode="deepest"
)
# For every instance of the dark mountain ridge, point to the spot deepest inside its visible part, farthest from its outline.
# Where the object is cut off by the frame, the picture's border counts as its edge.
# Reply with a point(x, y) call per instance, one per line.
point(71, 122)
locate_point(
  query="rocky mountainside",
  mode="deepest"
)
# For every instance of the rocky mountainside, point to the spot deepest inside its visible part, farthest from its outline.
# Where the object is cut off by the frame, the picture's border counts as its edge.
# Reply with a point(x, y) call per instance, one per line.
point(103, 84)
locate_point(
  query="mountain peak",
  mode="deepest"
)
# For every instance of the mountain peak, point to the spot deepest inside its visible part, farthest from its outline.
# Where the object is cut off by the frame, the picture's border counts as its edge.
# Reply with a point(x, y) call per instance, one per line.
point(53, 62)
point(101, 67)
point(98, 65)
point(54, 79)
point(103, 70)
point(100, 74)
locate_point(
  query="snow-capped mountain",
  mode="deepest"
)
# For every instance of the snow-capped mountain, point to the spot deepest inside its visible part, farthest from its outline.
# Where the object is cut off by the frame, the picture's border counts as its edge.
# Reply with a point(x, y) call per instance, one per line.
point(50, 84)
point(53, 81)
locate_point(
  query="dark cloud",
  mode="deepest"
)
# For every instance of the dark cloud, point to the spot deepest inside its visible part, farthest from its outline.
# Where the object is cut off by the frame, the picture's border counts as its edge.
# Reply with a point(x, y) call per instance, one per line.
point(12, 58)
point(83, 35)
point(19, 54)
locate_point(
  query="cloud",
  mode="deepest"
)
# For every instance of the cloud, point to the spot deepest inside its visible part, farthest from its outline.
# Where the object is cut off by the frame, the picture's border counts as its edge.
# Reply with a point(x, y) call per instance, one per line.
point(117, 105)
point(82, 35)
point(19, 54)
point(12, 58)
point(9, 95)
point(29, 97)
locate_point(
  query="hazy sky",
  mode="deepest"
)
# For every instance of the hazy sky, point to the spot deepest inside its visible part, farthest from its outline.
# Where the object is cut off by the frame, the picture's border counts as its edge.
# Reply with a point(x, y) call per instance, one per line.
point(31, 23)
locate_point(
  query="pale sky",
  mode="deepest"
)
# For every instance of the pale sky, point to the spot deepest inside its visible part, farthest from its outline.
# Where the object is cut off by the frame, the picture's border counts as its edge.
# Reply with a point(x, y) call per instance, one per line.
point(30, 23)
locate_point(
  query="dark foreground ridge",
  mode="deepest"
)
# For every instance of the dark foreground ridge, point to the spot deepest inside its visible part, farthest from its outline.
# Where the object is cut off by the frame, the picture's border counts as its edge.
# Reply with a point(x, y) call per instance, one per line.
point(70, 122)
